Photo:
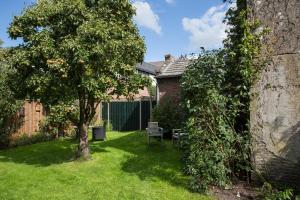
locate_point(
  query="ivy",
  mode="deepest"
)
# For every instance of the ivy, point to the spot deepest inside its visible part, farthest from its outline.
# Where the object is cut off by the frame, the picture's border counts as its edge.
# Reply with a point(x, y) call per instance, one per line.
point(216, 95)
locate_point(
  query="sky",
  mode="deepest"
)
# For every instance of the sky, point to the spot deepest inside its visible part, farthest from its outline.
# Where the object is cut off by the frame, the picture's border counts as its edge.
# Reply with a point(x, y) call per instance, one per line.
point(176, 27)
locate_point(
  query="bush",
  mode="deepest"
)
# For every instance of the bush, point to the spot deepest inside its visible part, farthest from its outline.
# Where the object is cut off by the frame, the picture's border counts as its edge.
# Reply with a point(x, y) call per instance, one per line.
point(268, 192)
point(26, 139)
point(61, 119)
point(212, 150)
point(108, 125)
point(216, 93)
point(169, 115)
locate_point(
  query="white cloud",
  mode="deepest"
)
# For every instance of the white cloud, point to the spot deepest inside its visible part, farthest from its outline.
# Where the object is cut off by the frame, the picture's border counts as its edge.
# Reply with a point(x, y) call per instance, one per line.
point(208, 31)
point(170, 1)
point(146, 17)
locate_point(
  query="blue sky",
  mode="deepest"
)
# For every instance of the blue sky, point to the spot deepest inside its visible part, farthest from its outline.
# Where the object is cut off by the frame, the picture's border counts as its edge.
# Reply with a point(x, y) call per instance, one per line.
point(169, 26)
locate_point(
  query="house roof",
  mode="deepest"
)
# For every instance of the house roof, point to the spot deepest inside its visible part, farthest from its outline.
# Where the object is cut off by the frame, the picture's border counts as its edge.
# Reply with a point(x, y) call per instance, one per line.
point(174, 68)
point(147, 68)
point(158, 64)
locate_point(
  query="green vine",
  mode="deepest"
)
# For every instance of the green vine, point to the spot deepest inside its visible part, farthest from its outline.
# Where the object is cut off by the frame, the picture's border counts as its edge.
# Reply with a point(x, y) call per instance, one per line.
point(216, 94)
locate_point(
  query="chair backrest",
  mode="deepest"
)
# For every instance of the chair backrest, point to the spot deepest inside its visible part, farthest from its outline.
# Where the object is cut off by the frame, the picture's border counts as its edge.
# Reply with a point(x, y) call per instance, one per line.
point(152, 125)
point(176, 131)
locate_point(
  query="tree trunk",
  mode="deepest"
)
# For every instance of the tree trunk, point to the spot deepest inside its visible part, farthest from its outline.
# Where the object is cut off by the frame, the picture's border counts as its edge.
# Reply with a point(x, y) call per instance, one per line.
point(83, 147)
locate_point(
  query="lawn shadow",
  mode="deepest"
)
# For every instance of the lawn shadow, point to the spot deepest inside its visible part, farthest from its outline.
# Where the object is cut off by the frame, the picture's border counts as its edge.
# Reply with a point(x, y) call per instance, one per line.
point(157, 161)
point(42, 154)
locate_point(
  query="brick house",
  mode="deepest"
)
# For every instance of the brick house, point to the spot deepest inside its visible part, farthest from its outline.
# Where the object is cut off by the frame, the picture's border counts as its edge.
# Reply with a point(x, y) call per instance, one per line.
point(168, 80)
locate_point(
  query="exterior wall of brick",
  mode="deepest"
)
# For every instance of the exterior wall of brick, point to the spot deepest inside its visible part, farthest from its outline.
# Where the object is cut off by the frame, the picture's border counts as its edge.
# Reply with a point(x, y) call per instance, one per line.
point(169, 88)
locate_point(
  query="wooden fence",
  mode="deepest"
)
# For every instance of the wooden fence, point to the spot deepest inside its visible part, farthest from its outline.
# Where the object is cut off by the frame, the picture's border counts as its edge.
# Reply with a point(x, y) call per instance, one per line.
point(33, 114)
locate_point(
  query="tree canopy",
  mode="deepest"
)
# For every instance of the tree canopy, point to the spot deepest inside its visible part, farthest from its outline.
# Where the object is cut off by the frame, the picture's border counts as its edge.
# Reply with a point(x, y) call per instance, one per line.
point(8, 104)
point(82, 50)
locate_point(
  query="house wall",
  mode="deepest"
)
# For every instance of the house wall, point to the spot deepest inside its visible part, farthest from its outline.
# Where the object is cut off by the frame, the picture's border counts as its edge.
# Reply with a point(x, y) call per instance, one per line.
point(168, 88)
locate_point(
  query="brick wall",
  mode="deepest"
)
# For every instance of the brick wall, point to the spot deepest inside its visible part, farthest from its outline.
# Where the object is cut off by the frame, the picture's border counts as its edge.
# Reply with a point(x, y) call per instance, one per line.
point(169, 88)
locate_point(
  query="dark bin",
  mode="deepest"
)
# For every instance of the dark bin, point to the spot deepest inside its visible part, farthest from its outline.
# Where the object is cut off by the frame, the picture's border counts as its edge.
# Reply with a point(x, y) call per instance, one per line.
point(99, 133)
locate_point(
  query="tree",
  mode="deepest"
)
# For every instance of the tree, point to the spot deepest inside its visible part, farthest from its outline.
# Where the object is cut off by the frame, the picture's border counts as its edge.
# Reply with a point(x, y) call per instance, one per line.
point(8, 104)
point(81, 50)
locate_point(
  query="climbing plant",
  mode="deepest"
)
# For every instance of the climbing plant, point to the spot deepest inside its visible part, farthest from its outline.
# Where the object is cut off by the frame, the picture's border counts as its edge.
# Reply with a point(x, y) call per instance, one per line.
point(216, 94)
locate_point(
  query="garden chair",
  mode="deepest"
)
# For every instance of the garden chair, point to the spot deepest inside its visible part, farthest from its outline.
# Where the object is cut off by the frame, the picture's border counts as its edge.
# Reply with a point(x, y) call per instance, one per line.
point(154, 131)
point(177, 135)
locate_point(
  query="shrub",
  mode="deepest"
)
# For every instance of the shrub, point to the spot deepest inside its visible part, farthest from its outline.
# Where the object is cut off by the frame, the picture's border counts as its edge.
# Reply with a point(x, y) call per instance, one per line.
point(216, 94)
point(61, 119)
point(26, 139)
point(108, 125)
point(169, 115)
point(268, 192)
point(212, 139)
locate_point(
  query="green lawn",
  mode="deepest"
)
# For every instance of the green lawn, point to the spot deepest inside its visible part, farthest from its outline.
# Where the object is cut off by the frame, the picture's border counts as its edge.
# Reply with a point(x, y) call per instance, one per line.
point(123, 167)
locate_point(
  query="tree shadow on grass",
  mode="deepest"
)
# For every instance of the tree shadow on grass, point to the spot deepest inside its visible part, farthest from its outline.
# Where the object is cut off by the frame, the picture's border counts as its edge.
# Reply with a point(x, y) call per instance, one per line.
point(41, 154)
point(157, 161)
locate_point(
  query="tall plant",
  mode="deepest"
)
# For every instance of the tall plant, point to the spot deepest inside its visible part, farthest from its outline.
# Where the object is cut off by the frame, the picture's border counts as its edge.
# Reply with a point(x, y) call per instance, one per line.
point(216, 93)
point(210, 123)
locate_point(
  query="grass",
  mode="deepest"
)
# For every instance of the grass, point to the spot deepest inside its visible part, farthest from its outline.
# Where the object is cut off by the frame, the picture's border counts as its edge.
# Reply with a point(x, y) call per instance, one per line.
point(122, 167)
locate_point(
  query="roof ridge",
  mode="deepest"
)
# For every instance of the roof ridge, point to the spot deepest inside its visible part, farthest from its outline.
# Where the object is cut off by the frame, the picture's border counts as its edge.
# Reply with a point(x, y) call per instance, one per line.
point(167, 67)
point(149, 63)
point(175, 68)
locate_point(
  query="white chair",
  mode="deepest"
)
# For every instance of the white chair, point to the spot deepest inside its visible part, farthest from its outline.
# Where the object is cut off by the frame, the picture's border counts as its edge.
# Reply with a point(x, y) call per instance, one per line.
point(176, 135)
point(154, 131)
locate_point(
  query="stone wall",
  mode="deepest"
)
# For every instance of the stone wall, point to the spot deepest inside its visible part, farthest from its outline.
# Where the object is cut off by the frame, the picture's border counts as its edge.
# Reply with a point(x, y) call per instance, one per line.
point(275, 107)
